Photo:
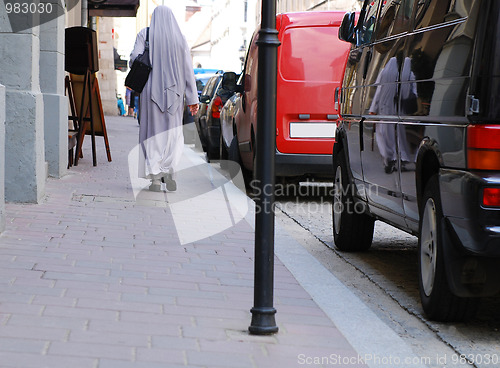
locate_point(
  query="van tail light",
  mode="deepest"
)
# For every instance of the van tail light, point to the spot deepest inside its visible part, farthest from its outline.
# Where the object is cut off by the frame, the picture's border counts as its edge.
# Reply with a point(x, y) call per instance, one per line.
point(491, 197)
point(216, 107)
point(483, 147)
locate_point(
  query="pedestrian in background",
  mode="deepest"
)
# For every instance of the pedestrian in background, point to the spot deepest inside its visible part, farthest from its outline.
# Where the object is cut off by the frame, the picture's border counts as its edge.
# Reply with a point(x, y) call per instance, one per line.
point(121, 106)
point(161, 101)
point(129, 100)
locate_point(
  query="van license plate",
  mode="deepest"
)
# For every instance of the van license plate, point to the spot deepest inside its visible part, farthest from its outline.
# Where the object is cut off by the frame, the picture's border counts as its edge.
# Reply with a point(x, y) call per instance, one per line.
point(312, 130)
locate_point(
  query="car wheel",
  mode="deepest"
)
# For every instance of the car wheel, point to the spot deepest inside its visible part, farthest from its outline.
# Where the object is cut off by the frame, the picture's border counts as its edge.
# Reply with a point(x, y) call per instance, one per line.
point(438, 302)
point(352, 229)
point(211, 156)
point(202, 143)
point(223, 153)
point(234, 151)
point(198, 137)
point(212, 152)
point(234, 155)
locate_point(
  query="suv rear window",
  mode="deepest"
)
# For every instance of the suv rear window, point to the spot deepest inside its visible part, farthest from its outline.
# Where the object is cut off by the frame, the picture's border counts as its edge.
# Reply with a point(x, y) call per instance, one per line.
point(303, 60)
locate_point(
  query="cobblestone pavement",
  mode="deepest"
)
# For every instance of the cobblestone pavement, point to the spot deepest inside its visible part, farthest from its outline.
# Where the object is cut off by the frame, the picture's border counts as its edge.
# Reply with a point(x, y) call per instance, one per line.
point(102, 274)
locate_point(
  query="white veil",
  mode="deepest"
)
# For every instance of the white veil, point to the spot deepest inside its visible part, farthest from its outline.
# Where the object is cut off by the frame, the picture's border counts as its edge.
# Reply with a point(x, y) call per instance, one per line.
point(167, 54)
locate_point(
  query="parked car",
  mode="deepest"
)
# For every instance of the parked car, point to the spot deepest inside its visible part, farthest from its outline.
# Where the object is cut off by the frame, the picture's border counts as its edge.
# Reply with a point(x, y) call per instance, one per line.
point(309, 75)
point(418, 144)
point(205, 71)
point(201, 76)
point(207, 119)
point(227, 122)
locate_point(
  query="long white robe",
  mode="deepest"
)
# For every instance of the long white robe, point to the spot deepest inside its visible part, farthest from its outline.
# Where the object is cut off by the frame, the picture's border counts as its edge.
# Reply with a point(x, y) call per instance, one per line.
point(162, 100)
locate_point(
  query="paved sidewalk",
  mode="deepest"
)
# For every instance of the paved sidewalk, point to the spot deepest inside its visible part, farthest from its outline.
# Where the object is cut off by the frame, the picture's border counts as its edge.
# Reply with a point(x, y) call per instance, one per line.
point(102, 274)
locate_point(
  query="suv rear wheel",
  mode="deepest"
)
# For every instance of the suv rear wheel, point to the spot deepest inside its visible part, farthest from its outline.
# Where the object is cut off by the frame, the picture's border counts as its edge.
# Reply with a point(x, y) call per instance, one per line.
point(352, 230)
point(437, 299)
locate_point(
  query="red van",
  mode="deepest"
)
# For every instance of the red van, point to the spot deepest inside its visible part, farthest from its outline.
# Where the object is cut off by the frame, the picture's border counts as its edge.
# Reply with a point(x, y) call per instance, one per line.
point(311, 62)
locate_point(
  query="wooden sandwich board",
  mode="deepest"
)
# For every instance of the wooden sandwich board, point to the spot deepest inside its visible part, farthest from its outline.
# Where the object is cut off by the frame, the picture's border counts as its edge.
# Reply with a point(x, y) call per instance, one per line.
point(87, 113)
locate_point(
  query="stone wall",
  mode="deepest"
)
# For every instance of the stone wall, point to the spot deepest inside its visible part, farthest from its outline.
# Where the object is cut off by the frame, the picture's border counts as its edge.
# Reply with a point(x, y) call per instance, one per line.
point(52, 87)
point(106, 75)
point(25, 170)
point(2, 158)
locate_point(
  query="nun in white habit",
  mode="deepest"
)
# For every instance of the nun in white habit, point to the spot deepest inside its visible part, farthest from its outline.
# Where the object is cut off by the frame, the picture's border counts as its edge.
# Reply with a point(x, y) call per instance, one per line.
point(162, 99)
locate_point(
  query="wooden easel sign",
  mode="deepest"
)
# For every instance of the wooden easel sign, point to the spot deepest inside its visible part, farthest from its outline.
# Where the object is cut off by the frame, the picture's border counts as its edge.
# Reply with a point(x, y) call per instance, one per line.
point(89, 113)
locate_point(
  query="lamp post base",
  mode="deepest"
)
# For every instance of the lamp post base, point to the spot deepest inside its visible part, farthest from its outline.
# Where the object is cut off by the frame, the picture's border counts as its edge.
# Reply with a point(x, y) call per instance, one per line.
point(263, 322)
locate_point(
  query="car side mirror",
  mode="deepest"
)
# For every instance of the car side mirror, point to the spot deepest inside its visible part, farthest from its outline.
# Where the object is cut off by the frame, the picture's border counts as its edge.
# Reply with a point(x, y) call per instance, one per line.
point(229, 82)
point(347, 28)
point(204, 99)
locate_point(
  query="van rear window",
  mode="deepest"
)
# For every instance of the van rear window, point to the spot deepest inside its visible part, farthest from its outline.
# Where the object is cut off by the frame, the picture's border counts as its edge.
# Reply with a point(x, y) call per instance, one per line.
point(312, 54)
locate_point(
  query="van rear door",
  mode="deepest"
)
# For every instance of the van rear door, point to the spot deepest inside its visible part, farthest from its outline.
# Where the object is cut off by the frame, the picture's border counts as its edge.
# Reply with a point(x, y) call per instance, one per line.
point(311, 62)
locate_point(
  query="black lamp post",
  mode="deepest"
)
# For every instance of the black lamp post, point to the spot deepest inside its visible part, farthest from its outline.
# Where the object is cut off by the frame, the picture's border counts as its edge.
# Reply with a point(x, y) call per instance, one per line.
point(263, 321)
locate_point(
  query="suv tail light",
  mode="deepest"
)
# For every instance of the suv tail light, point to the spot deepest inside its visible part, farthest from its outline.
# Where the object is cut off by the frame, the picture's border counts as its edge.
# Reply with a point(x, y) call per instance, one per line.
point(483, 147)
point(216, 107)
point(491, 197)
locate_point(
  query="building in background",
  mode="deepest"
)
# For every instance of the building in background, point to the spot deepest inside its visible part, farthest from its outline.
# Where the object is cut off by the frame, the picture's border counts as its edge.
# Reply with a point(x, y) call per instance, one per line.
point(219, 31)
point(33, 103)
point(199, 37)
point(231, 26)
point(34, 116)
point(283, 6)
point(124, 39)
point(106, 75)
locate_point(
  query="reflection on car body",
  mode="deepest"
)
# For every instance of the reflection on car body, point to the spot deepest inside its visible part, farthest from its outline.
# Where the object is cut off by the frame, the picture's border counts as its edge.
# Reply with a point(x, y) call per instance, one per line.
point(418, 145)
point(227, 122)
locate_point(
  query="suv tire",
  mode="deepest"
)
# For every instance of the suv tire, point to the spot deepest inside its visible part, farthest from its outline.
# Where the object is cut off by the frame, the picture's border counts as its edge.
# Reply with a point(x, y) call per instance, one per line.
point(352, 231)
point(437, 299)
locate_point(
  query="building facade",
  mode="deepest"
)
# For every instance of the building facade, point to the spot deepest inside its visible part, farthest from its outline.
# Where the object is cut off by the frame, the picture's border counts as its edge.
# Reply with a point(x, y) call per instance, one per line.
point(35, 110)
point(317, 5)
point(233, 23)
point(223, 42)
point(33, 103)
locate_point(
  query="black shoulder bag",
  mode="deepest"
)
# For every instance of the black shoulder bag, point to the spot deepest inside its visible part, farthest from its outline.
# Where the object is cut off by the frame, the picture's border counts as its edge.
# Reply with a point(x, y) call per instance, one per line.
point(141, 67)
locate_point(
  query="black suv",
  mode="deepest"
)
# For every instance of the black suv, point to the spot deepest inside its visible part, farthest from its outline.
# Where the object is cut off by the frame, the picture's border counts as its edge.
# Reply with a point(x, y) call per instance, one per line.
point(207, 120)
point(418, 146)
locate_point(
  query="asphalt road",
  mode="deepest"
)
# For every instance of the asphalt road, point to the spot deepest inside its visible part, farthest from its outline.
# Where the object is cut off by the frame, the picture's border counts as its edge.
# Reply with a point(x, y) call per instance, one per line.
point(385, 278)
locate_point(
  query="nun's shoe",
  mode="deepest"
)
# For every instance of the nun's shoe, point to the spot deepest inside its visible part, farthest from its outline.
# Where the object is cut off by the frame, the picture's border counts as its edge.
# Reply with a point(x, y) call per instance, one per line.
point(169, 182)
point(155, 186)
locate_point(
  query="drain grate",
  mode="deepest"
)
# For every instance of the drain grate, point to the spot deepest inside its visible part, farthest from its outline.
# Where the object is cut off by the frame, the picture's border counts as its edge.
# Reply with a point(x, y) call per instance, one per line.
point(146, 202)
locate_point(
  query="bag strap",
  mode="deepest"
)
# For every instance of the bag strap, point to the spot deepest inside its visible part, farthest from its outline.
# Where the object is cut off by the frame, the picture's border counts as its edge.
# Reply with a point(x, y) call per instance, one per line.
point(147, 40)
